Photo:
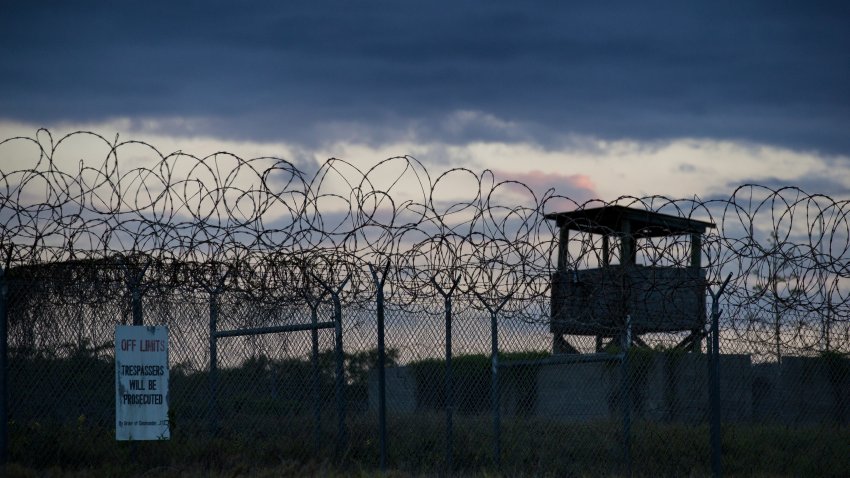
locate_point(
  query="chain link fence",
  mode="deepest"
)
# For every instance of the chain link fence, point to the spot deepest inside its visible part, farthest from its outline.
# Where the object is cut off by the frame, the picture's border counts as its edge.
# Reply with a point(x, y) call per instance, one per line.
point(359, 319)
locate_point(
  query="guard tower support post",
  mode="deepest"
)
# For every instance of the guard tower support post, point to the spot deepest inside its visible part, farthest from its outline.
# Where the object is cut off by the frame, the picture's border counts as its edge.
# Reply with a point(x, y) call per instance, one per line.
point(697, 334)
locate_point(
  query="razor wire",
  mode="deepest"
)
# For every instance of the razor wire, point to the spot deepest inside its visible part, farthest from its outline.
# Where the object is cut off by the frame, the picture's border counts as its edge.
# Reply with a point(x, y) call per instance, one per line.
point(273, 233)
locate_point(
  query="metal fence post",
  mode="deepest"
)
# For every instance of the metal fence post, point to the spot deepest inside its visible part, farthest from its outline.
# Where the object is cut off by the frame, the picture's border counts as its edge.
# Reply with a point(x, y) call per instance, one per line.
point(4, 370)
point(382, 362)
point(341, 437)
point(215, 292)
point(314, 360)
point(494, 377)
point(213, 374)
point(450, 392)
point(449, 379)
point(134, 283)
point(494, 389)
point(626, 394)
point(137, 304)
point(714, 382)
point(313, 303)
point(341, 433)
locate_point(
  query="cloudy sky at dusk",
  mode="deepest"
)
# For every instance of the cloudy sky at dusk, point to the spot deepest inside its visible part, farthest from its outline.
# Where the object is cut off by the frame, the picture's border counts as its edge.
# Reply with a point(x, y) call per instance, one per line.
point(596, 99)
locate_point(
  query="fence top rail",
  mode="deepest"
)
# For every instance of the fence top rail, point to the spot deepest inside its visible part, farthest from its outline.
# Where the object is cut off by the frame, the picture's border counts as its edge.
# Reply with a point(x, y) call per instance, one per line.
point(274, 329)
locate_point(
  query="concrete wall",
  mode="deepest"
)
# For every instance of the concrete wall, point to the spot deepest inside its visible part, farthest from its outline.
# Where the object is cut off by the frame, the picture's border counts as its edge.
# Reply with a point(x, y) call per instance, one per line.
point(400, 390)
point(576, 392)
point(661, 388)
point(802, 391)
point(664, 387)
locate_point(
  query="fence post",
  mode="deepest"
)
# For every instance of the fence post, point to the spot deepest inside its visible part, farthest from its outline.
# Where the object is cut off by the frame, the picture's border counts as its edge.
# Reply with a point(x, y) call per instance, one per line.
point(213, 375)
point(449, 383)
point(494, 390)
point(494, 377)
point(313, 303)
point(133, 280)
point(626, 393)
point(341, 433)
point(4, 369)
point(314, 359)
point(382, 362)
point(714, 381)
point(214, 291)
point(341, 437)
point(137, 303)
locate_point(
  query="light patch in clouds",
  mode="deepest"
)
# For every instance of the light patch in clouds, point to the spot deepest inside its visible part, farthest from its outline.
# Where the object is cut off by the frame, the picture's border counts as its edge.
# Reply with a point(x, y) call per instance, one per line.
point(166, 136)
point(576, 187)
point(687, 168)
point(583, 168)
point(628, 168)
point(477, 124)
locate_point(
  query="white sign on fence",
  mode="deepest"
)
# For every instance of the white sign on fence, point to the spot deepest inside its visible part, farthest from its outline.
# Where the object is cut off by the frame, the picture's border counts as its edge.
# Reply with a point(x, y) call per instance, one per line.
point(141, 383)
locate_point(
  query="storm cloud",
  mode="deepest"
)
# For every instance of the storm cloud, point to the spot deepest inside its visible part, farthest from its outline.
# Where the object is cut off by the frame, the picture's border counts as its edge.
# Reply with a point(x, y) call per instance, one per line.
point(316, 72)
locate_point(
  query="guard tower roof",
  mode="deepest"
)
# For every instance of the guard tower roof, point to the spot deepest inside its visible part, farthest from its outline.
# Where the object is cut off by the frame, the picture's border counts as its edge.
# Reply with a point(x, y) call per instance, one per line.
point(608, 220)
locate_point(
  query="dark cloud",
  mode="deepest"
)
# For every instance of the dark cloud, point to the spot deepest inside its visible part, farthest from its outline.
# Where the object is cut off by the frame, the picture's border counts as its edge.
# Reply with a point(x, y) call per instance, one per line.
point(808, 184)
point(765, 71)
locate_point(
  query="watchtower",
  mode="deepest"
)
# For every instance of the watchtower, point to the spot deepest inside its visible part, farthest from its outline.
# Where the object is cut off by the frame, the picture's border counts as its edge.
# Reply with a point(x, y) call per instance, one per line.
point(625, 300)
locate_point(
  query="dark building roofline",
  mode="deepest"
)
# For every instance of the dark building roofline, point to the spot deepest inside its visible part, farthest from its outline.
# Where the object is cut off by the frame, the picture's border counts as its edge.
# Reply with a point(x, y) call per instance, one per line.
point(609, 220)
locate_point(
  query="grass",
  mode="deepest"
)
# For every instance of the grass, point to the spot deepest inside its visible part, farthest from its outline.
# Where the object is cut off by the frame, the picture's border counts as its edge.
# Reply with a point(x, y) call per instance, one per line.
point(530, 447)
point(267, 429)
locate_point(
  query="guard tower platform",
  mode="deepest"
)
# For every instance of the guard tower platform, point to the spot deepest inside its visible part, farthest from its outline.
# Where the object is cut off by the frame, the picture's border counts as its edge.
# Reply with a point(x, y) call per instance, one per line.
point(620, 299)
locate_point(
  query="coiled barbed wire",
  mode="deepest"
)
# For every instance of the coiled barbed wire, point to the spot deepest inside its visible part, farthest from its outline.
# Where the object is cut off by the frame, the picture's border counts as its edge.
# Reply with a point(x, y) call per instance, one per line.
point(267, 230)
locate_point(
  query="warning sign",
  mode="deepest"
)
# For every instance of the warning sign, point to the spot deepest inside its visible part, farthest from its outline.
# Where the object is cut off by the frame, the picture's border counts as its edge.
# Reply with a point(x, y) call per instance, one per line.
point(141, 383)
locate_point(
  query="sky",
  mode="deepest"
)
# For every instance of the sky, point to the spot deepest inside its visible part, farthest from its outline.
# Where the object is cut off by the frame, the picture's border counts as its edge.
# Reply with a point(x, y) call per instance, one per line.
point(594, 99)
point(597, 100)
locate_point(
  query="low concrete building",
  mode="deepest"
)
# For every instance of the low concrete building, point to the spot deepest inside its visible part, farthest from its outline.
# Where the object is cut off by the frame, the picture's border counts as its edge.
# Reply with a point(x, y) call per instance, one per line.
point(662, 387)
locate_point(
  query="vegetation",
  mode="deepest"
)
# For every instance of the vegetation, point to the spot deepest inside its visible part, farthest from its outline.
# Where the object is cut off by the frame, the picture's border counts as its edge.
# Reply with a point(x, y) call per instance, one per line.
point(416, 446)
point(267, 425)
